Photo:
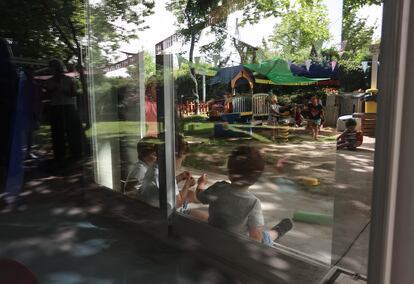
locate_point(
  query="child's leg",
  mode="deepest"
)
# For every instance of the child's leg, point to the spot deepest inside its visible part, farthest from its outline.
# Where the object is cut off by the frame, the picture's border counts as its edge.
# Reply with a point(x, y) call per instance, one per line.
point(192, 197)
point(314, 126)
point(274, 132)
point(317, 128)
point(199, 215)
point(341, 144)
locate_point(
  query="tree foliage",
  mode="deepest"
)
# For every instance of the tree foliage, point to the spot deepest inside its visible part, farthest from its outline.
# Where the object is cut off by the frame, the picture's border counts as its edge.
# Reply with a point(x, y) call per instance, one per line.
point(149, 68)
point(356, 32)
point(358, 36)
point(259, 9)
point(352, 5)
point(42, 29)
point(306, 25)
point(217, 47)
point(192, 17)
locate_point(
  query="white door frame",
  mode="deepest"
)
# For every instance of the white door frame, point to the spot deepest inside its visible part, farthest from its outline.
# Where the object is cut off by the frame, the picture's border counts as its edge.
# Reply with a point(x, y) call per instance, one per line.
point(392, 233)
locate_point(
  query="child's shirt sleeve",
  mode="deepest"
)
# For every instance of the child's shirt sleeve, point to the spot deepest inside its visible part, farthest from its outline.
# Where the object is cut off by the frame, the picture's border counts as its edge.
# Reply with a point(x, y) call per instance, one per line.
point(255, 218)
point(209, 195)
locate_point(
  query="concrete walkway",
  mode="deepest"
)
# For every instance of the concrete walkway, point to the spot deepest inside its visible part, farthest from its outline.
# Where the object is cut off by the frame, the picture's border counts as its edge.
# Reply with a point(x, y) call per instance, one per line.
point(282, 194)
point(72, 233)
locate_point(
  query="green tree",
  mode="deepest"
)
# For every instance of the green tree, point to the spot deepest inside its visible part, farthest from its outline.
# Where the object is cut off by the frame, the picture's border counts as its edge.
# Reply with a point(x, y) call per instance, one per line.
point(192, 17)
point(254, 11)
point(358, 36)
point(352, 5)
point(149, 67)
point(355, 30)
point(56, 28)
point(217, 47)
point(305, 26)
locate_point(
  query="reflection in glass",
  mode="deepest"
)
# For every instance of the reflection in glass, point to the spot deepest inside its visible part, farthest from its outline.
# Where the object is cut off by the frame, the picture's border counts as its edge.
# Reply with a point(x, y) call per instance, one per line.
point(286, 86)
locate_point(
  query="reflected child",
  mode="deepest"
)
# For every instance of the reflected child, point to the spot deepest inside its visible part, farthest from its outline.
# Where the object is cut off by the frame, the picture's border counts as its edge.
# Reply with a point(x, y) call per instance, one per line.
point(149, 191)
point(147, 158)
point(232, 207)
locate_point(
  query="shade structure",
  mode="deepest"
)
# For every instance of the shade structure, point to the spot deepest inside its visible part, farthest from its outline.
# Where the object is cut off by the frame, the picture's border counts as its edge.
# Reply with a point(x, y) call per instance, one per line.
point(278, 72)
point(227, 74)
point(315, 71)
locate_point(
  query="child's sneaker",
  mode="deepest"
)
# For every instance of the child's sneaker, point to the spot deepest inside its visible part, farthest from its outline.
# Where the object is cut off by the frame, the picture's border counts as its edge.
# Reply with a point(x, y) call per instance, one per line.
point(283, 227)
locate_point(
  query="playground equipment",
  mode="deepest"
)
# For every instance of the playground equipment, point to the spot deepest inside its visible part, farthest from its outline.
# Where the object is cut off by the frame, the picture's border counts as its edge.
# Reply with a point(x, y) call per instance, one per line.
point(242, 103)
point(249, 106)
point(312, 217)
point(260, 105)
point(310, 181)
point(283, 133)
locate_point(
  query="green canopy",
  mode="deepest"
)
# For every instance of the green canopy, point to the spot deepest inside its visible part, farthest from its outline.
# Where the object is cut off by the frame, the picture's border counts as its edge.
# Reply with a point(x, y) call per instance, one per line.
point(278, 72)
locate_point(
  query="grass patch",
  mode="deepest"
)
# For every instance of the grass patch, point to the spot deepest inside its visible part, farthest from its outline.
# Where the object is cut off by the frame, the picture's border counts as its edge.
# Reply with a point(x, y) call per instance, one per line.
point(117, 128)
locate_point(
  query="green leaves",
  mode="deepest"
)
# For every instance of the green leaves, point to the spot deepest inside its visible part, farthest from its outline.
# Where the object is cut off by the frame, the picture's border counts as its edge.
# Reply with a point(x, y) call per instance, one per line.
point(54, 28)
point(259, 9)
point(305, 25)
point(356, 31)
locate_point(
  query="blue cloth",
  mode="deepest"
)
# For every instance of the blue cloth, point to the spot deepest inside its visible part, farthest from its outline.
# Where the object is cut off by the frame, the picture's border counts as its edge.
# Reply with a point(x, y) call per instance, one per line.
point(315, 71)
point(316, 121)
point(15, 172)
point(266, 238)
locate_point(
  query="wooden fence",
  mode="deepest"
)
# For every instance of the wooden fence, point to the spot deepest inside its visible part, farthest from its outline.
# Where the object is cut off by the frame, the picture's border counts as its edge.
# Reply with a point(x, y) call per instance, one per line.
point(190, 108)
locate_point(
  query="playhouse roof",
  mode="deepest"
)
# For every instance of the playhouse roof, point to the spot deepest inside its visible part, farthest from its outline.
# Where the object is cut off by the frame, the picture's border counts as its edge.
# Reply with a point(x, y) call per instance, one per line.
point(227, 74)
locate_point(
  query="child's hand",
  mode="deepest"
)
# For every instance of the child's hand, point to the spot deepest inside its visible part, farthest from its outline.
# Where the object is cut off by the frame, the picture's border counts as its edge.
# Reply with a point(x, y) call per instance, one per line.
point(183, 176)
point(190, 182)
point(203, 180)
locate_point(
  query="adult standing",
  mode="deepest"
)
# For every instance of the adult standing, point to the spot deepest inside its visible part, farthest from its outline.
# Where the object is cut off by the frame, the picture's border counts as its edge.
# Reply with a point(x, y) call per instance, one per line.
point(151, 107)
point(65, 122)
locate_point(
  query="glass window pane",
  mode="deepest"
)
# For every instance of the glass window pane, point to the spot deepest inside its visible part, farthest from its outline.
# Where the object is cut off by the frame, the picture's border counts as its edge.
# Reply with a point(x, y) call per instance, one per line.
point(261, 119)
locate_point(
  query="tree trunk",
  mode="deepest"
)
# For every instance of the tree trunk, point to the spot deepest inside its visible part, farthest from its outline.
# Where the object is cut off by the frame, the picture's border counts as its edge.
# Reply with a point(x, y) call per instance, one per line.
point(240, 51)
point(192, 72)
point(83, 98)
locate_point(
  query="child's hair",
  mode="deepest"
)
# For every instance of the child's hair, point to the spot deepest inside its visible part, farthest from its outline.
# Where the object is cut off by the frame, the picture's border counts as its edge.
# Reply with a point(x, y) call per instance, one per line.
point(245, 165)
point(145, 147)
point(273, 97)
point(350, 122)
point(181, 146)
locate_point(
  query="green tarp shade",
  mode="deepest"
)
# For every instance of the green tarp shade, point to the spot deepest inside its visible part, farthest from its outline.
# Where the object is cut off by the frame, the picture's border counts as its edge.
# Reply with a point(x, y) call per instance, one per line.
point(278, 72)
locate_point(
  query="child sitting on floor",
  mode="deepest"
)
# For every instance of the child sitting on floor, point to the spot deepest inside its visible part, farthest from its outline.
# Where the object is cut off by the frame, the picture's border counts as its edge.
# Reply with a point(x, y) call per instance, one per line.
point(147, 158)
point(232, 207)
point(349, 138)
point(149, 191)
